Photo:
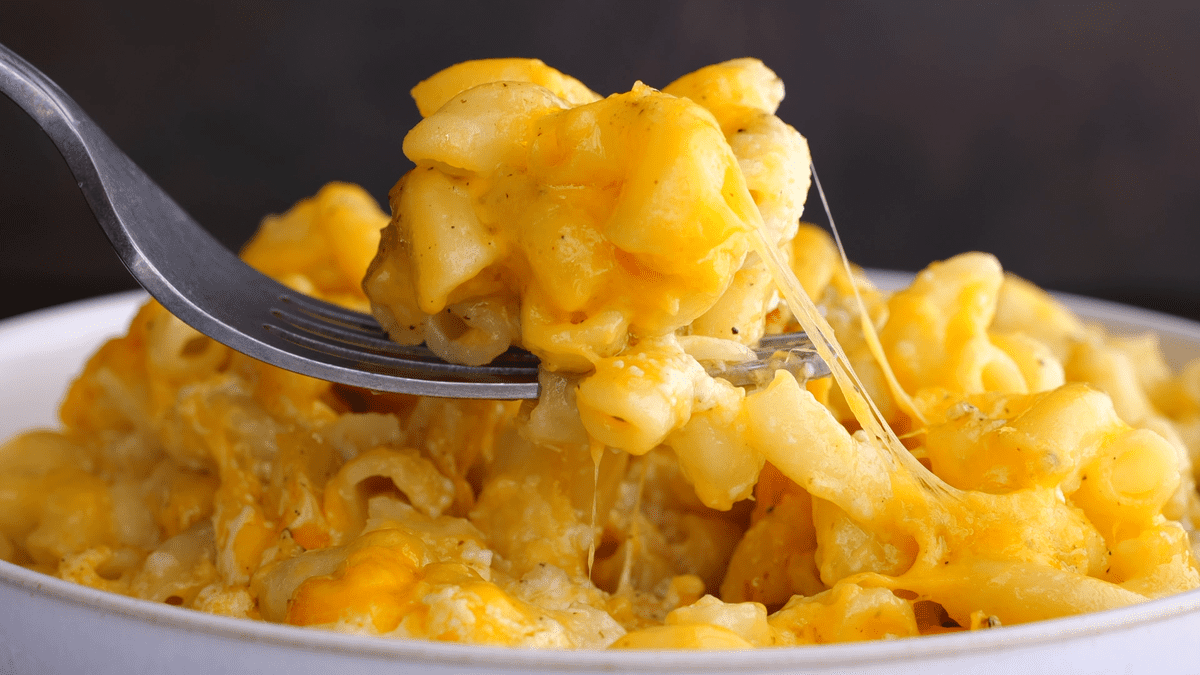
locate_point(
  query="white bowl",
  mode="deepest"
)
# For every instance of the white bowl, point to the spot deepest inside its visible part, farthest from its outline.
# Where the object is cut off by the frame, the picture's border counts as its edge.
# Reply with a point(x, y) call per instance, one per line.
point(52, 626)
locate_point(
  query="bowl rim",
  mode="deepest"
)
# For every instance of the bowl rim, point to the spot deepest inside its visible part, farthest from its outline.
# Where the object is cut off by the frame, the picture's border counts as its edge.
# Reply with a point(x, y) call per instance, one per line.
point(415, 651)
point(1091, 625)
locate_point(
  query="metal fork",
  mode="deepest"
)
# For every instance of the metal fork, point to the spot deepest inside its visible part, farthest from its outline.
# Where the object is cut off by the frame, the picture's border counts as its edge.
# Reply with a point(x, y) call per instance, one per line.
point(209, 288)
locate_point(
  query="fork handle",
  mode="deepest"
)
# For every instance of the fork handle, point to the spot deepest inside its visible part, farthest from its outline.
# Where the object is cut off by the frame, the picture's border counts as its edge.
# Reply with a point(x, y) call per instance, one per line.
point(115, 189)
point(178, 262)
point(200, 281)
point(175, 259)
point(77, 137)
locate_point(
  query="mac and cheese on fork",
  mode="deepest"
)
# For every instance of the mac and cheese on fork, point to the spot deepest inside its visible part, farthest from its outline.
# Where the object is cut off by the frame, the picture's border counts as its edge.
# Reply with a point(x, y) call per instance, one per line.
point(1046, 466)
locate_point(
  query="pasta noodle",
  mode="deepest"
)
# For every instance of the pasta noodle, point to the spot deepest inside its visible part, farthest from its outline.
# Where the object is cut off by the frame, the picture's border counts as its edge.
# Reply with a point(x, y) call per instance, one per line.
point(981, 458)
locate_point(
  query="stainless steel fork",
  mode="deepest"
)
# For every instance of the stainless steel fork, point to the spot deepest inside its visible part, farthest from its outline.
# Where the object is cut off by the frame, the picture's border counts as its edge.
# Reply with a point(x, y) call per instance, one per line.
point(209, 288)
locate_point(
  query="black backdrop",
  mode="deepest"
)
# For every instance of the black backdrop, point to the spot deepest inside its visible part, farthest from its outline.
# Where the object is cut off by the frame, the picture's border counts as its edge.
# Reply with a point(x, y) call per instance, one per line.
point(1064, 137)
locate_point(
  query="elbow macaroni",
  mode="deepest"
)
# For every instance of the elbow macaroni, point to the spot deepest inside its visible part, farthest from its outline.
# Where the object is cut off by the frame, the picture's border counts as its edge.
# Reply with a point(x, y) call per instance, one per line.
point(640, 503)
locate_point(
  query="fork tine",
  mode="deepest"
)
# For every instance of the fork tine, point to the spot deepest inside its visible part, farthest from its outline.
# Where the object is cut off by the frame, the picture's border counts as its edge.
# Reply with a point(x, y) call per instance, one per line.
point(332, 313)
point(375, 341)
point(333, 338)
point(803, 363)
point(785, 341)
point(427, 376)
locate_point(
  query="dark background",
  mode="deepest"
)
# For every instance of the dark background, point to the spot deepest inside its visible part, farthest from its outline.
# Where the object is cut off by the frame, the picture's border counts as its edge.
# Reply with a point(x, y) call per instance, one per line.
point(1064, 137)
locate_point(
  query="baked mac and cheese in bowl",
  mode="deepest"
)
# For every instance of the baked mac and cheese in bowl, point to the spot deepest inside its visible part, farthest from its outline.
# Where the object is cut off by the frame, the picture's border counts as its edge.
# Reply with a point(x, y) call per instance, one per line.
point(981, 457)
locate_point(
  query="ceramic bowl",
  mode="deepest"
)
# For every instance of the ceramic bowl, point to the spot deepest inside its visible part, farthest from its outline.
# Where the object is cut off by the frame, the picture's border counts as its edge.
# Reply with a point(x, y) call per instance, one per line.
point(52, 626)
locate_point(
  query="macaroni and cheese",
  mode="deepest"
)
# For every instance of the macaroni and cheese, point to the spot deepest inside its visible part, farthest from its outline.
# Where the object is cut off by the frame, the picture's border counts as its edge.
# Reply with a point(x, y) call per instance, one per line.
point(982, 457)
